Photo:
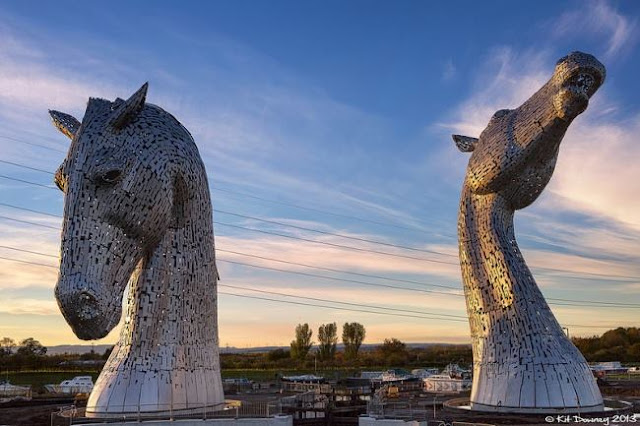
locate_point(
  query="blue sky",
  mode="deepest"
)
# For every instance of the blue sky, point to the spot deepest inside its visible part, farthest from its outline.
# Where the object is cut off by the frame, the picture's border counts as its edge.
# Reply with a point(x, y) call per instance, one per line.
point(339, 107)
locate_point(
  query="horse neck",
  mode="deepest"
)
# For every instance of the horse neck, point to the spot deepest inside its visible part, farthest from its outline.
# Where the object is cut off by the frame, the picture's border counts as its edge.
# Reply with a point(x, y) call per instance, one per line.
point(172, 299)
point(490, 254)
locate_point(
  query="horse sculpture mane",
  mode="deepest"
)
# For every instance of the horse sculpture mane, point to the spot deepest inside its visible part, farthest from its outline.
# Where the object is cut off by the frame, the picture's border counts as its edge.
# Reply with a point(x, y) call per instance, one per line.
point(138, 211)
point(522, 359)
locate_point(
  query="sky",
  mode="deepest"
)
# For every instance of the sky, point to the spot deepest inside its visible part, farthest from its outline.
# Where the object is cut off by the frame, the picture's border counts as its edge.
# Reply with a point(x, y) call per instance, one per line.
point(335, 117)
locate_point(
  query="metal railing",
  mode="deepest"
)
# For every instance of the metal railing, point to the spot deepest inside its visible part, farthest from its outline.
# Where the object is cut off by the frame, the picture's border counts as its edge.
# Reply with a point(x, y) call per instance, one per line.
point(233, 409)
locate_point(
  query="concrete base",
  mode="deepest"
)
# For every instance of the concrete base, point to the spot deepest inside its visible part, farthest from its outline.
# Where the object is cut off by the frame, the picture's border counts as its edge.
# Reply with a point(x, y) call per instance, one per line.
point(535, 410)
point(271, 421)
point(372, 421)
point(609, 408)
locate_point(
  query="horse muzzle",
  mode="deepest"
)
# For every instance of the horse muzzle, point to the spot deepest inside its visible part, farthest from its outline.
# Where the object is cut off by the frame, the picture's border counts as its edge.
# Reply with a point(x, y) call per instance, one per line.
point(90, 315)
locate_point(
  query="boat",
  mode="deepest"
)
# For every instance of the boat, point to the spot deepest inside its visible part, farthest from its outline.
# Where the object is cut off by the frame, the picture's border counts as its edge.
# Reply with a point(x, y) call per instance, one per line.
point(423, 373)
point(381, 378)
point(609, 367)
point(393, 376)
point(453, 379)
point(304, 378)
point(9, 391)
point(79, 384)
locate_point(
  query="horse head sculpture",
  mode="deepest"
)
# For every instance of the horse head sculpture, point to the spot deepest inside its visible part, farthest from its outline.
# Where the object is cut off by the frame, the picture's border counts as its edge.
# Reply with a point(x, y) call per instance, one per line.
point(517, 144)
point(523, 362)
point(138, 211)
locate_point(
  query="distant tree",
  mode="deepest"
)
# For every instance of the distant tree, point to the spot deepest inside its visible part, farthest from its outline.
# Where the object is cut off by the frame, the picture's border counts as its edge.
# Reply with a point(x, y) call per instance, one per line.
point(393, 351)
point(278, 354)
point(301, 346)
point(612, 338)
point(392, 346)
point(353, 335)
point(31, 346)
point(328, 340)
point(620, 344)
point(7, 345)
point(633, 352)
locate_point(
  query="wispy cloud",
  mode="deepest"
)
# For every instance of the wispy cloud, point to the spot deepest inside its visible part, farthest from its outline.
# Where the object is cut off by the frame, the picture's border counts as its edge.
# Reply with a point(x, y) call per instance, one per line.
point(30, 306)
point(597, 170)
point(504, 80)
point(449, 71)
point(598, 19)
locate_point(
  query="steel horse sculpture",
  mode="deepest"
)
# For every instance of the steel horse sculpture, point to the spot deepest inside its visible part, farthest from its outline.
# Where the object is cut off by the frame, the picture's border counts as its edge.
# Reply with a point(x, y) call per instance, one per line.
point(137, 210)
point(523, 362)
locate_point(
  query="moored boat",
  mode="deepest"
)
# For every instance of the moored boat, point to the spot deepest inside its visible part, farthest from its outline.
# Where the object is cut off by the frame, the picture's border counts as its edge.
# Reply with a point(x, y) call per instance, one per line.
point(79, 384)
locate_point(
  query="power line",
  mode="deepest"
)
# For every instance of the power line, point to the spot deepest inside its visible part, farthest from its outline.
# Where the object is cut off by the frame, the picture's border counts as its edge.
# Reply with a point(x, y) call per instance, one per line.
point(342, 303)
point(334, 244)
point(591, 303)
point(317, 305)
point(285, 235)
point(27, 182)
point(422, 316)
point(28, 251)
point(280, 270)
point(339, 271)
point(27, 167)
point(29, 263)
point(32, 144)
point(30, 223)
point(30, 210)
point(287, 225)
point(312, 230)
point(578, 302)
point(306, 274)
point(297, 206)
point(319, 242)
point(266, 220)
point(335, 234)
point(616, 277)
point(321, 268)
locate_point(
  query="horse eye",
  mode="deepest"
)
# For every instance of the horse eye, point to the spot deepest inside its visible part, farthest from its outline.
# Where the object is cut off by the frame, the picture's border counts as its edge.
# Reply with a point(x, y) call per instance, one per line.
point(110, 176)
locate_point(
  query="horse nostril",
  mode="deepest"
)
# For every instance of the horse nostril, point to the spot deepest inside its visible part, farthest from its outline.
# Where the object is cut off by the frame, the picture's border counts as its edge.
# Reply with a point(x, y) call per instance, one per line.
point(87, 297)
point(88, 305)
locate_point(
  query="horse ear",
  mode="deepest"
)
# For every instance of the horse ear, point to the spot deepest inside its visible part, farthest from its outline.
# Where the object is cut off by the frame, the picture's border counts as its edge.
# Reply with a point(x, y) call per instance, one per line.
point(128, 110)
point(465, 143)
point(66, 123)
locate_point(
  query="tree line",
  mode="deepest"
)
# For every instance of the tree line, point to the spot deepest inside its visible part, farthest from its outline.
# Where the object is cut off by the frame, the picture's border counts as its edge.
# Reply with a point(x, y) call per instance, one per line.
point(353, 335)
point(621, 344)
point(30, 354)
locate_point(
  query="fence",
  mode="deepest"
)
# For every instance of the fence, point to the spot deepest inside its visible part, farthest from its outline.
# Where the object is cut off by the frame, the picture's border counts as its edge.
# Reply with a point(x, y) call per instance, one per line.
point(229, 410)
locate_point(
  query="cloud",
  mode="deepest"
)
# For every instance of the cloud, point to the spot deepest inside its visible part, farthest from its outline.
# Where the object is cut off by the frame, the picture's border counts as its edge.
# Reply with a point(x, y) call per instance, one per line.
point(505, 79)
point(597, 170)
point(251, 130)
point(449, 71)
point(310, 253)
point(17, 306)
point(598, 19)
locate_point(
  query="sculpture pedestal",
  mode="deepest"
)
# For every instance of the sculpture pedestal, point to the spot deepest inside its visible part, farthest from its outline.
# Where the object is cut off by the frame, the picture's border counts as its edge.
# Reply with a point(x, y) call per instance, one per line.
point(266, 421)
